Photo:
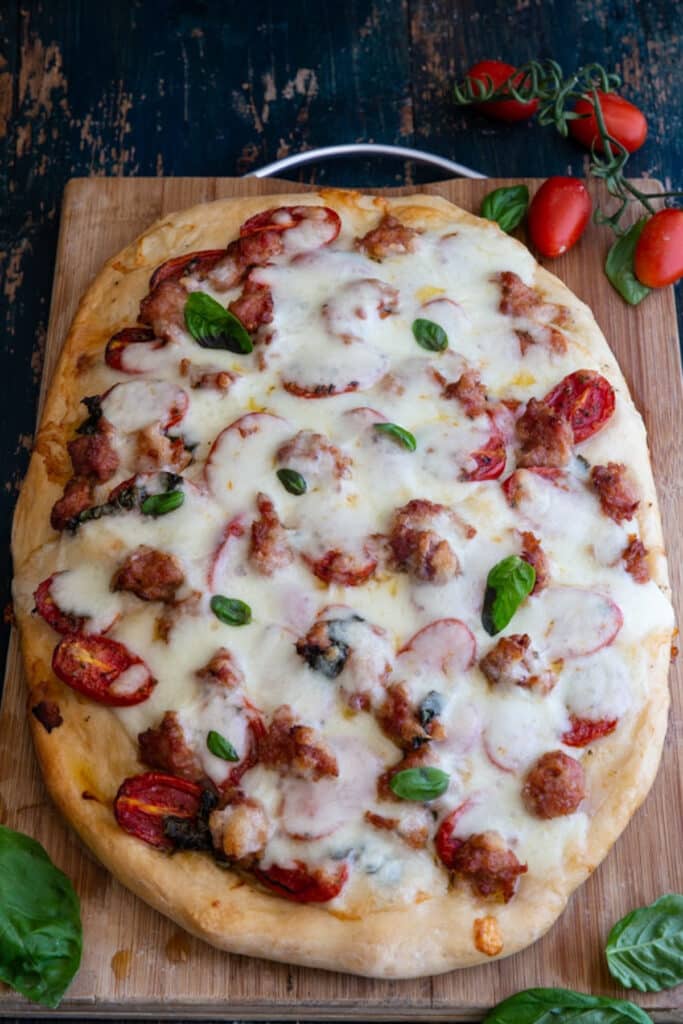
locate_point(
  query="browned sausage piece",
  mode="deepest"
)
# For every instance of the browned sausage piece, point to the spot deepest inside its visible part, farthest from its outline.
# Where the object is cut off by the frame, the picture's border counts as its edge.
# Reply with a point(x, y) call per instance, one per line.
point(78, 495)
point(398, 719)
point(634, 557)
point(164, 307)
point(269, 549)
point(314, 457)
point(389, 238)
point(533, 553)
point(469, 392)
point(290, 747)
point(545, 437)
point(150, 574)
point(555, 785)
point(93, 455)
point(513, 661)
point(254, 306)
point(419, 549)
point(240, 830)
point(617, 493)
point(155, 451)
point(166, 748)
point(488, 865)
point(222, 668)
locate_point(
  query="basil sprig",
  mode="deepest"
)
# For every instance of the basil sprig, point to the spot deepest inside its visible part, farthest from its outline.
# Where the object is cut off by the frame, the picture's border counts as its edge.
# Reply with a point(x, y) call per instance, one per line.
point(506, 206)
point(161, 504)
point(429, 335)
point(292, 481)
point(220, 747)
point(420, 783)
point(230, 610)
point(645, 949)
point(619, 265)
point(399, 434)
point(213, 326)
point(508, 583)
point(541, 1005)
point(41, 938)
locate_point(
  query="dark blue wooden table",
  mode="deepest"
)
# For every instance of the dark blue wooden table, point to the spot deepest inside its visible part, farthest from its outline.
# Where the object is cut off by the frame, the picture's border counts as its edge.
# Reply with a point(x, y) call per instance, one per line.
point(188, 87)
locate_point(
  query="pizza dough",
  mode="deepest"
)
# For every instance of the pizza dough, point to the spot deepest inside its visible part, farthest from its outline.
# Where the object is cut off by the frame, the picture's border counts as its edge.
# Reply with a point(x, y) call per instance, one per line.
point(366, 654)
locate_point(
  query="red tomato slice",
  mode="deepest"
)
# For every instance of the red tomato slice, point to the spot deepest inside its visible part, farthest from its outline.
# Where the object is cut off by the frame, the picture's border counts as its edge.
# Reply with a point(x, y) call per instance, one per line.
point(446, 843)
point(301, 885)
point(203, 260)
point(584, 730)
point(502, 110)
point(337, 566)
point(558, 215)
point(235, 529)
point(658, 259)
point(284, 218)
point(623, 121)
point(489, 460)
point(446, 646)
point(102, 669)
point(48, 609)
point(586, 399)
point(143, 802)
point(119, 343)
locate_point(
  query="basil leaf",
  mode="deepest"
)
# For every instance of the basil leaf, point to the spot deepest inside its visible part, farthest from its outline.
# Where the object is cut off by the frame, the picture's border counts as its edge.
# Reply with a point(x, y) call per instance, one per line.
point(230, 610)
point(430, 708)
point(550, 1005)
point(161, 504)
point(220, 747)
point(429, 335)
point(403, 436)
point(213, 326)
point(508, 583)
point(645, 949)
point(41, 938)
point(506, 206)
point(292, 481)
point(420, 783)
point(619, 265)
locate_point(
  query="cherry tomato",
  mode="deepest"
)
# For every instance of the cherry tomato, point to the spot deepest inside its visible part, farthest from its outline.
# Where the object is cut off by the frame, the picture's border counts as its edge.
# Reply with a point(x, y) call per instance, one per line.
point(143, 803)
point(115, 352)
point(558, 215)
point(584, 730)
point(326, 222)
point(187, 264)
point(489, 460)
point(658, 259)
point(586, 399)
point(103, 670)
point(501, 110)
point(301, 885)
point(48, 609)
point(623, 122)
point(446, 843)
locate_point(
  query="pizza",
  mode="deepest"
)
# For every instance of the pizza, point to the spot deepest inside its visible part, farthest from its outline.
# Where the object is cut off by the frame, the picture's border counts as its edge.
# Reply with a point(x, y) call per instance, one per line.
point(341, 583)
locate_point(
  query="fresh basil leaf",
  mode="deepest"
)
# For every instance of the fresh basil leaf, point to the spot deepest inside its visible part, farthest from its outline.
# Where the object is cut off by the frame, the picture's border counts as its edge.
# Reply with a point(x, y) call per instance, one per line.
point(220, 747)
point(553, 1005)
point(420, 783)
point(230, 610)
point(619, 265)
point(41, 938)
point(645, 949)
point(429, 335)
point(292, 481)
point(161, 504)
point(506, 206)
point(507, 584)
point(400, 434)
point(213, 326)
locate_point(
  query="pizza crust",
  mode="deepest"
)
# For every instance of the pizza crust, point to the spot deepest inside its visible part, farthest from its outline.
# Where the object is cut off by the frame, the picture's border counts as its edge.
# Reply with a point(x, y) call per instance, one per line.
point(217, 904)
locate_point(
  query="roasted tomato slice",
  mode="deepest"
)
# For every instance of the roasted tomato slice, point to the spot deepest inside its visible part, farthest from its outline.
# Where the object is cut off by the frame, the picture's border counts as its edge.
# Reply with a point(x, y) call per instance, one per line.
point(324, 223)
point(103, 670)
point(586, 399)
point(180, 265)
point(48, 609)
point(303, 885)
point(446, 843)
point(143, 803)
point(489, 460)
point(584, 730)
point(119, 343)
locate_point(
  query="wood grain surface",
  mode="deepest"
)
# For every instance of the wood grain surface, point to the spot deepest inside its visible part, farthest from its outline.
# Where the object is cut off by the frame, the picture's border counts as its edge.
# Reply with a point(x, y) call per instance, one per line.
point(138, 963)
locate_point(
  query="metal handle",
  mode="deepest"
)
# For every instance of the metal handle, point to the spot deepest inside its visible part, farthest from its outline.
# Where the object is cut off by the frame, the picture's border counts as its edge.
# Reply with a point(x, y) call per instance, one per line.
point(364, 149)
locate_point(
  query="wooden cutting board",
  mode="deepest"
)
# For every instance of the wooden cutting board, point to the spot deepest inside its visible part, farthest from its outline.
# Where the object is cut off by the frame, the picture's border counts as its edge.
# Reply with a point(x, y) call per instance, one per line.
point(137, 962)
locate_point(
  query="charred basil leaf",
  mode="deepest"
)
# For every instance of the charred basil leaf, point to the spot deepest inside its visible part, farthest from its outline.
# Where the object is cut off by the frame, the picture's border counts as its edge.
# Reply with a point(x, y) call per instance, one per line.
point(645, 949)
point(399, 434)
point(420, 783)
point(213, 326)
point(429, 335)
point(506, 206)
point(430, 708)
point(331, 657)
point(541, 1005)
point(127, 499)
point(619, 265)
point(192, 833)
point(230, 610)
point(92, 424)
point(508, 583)
point(220, 747)
point(161, 504)
point(41, 938)
point(292, 481)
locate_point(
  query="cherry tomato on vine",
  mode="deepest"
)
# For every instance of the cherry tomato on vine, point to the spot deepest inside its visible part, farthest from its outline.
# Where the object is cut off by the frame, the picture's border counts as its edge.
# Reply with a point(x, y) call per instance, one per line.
point(658, 259)
point(623, 121)
point(558, 215)
point(502, 110)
